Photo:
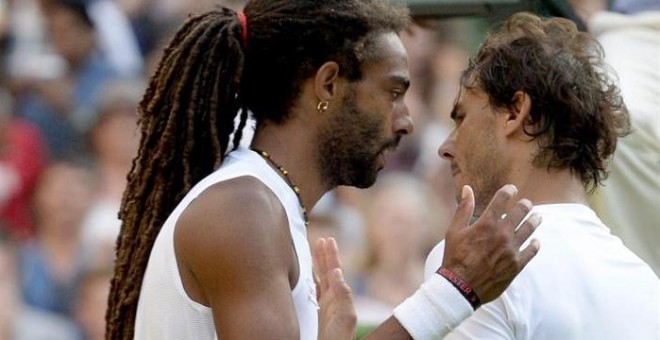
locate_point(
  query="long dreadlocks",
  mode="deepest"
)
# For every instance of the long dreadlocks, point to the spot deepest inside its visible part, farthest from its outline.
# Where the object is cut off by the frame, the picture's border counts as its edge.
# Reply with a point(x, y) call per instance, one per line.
point(204, 79)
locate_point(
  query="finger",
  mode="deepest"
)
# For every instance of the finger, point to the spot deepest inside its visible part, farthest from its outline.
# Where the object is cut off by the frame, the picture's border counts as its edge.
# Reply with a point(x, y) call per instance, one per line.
point(526, 229)
point(338, 283)
point(342, 300)
point(318, 257)
point(529, 252)
point(317, 284)
point(497, 206)
point(465, 209)
point(315, 269)
point(332, 260)
point(320, 267)
point(517, 213)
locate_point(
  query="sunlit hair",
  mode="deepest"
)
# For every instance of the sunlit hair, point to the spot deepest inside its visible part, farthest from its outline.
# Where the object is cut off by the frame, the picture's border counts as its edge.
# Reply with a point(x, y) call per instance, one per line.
point(577, 112)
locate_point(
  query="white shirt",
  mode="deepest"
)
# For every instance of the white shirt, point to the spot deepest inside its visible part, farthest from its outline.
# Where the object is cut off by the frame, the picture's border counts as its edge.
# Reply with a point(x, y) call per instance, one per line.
point(583, 284)
point(166, 312)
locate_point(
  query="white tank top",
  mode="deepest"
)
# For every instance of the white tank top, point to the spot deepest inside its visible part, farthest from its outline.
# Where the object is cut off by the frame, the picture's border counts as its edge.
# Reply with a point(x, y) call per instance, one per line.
point(165, 312)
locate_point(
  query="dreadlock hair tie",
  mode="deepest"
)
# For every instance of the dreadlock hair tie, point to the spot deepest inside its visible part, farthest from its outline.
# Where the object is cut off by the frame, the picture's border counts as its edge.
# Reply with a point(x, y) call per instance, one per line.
point(244, 28)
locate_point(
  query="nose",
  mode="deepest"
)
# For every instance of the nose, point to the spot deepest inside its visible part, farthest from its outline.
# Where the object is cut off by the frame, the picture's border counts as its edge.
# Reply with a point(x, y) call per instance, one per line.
point(446, 149)
point(403, 123)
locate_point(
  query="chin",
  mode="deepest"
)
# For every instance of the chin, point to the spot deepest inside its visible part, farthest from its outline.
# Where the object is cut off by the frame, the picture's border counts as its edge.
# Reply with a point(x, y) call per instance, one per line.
point(365, 184)
point(363, 179)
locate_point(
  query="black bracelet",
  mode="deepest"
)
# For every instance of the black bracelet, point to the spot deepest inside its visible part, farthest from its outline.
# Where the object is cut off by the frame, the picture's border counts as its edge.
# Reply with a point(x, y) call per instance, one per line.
point(462, 286)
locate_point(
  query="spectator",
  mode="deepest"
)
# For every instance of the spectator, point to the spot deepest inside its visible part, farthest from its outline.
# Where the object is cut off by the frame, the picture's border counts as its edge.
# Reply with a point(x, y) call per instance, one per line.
point(114, 139)
point(63, 106)
point(51, 265)
point(401, 229)
point(21, 322)
point(22, 156)
point(92, 301)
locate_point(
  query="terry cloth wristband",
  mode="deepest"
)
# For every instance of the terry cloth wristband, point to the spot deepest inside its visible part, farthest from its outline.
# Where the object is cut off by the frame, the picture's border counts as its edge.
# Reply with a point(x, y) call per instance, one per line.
point(434, 310)
point(462, 286)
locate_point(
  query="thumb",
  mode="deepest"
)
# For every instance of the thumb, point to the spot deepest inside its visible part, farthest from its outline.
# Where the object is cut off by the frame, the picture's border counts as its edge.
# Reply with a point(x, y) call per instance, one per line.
point(464, 210)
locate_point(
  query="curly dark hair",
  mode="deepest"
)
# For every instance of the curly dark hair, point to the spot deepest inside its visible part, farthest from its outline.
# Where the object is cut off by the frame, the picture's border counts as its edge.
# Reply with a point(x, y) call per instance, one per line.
point(209, 74)
point(577, 111)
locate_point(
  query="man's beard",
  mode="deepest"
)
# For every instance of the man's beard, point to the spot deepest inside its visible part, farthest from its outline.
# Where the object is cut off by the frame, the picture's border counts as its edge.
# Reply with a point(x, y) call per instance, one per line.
point(349, 147)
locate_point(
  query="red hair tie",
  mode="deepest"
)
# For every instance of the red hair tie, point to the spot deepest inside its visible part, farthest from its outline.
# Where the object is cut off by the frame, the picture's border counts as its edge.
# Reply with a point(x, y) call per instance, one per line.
point(243, 20)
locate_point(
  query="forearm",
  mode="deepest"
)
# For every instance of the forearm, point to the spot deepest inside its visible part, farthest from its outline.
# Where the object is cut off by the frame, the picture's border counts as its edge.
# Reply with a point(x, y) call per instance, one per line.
point(390, 329)
point(431, 312)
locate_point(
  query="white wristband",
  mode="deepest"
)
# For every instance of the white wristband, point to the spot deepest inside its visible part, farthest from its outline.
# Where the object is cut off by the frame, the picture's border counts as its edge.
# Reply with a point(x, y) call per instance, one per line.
point(434, 310)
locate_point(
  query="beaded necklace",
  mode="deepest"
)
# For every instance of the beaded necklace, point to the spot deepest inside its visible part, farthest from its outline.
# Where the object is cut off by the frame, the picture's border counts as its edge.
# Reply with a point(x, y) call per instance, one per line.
point(288, 181)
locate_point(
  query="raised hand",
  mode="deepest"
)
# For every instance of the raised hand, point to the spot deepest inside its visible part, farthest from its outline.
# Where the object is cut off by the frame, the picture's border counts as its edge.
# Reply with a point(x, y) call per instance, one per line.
point(486, 254)
point(337, 316)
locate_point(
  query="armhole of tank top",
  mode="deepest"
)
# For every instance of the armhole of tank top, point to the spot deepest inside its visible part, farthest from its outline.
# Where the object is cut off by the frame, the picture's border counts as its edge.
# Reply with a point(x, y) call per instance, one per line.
point(297, 284)
point(179, 282)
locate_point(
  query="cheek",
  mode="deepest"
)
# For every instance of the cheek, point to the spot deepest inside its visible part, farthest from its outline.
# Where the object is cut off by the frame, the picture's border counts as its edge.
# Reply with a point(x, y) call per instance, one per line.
point(464, 144)
point(370, 127)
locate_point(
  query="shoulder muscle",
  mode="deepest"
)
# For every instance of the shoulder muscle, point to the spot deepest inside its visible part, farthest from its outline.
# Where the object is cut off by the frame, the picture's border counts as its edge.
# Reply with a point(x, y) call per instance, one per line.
point(234, 240)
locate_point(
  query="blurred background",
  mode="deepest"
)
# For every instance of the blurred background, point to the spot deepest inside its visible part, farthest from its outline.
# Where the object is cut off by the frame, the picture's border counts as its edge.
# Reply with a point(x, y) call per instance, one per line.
point(73, 71)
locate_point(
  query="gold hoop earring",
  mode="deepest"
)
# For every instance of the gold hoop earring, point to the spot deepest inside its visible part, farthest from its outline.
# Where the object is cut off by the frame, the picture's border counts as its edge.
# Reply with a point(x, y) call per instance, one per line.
point(322, 106)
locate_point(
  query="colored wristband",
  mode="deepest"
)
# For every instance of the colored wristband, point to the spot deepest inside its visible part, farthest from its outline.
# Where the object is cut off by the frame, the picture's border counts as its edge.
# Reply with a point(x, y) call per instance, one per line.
point(462, 286)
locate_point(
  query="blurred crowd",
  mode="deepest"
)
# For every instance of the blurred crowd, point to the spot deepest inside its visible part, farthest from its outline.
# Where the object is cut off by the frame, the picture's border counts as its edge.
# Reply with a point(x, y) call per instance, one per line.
point(72, 74)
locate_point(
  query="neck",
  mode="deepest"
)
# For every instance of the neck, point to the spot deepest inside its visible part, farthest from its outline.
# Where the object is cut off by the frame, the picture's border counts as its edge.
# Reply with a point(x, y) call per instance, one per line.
point(543, 186)
point(294, 148)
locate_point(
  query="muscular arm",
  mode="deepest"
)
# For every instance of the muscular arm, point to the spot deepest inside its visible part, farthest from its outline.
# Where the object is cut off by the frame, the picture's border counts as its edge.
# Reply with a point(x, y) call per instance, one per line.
point(235, 255)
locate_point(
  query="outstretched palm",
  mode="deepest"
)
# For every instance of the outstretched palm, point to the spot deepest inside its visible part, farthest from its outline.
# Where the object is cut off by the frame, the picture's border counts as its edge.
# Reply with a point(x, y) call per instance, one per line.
point(337, 317)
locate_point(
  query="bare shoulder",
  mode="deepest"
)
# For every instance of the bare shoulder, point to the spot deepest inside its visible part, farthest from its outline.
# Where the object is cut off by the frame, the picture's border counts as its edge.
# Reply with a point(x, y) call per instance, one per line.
point(236, 226)
point(231, 209)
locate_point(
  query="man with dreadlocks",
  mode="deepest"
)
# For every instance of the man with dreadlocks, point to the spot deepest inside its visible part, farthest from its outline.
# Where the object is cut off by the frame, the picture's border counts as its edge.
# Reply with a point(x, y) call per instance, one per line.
point(213, 242)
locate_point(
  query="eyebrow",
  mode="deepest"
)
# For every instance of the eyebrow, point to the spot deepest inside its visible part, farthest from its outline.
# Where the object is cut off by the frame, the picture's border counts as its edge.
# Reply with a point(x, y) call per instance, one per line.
point(401, 80)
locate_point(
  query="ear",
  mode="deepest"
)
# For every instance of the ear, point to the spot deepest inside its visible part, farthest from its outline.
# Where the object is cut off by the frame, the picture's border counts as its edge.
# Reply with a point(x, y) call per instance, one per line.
point(326, 81)
point(518, 113)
